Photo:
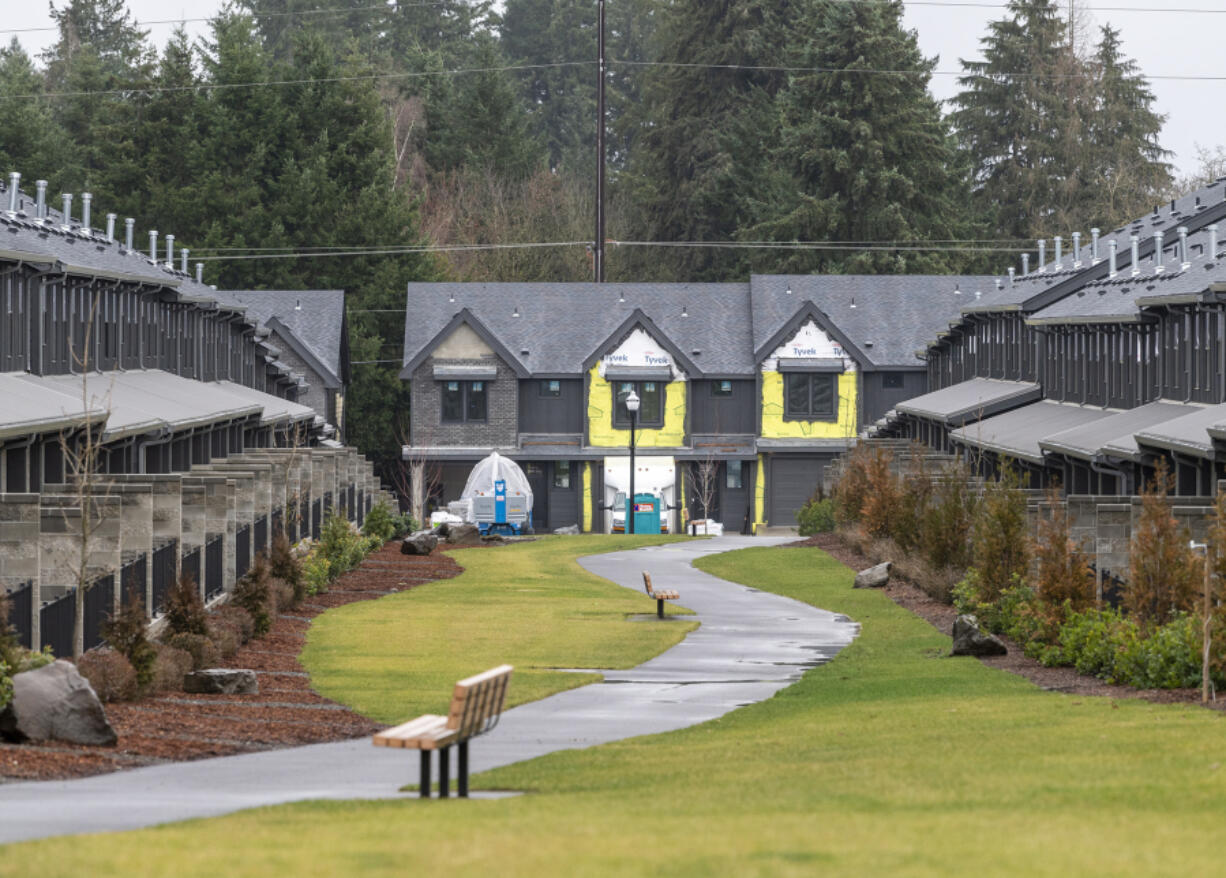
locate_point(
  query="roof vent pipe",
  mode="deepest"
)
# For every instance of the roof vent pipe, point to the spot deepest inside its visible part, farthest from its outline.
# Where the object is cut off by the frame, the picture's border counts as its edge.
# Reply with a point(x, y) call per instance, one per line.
point(999, 283)
point(129, 227)
point(14, 187)
point(977, 295)
point(153, 246)
point(183, 259)
point(66, 199)
point(1094, 233)
point(1112, 246)
point(110, 226)
point(1076, 249)
point(86, 201)
point(1012, 275)
point(1136, 254)
point(1213, 241)
point(40, 205)
point(170, 252)
point(1183, 247)
point(1159, 256)
point(199, 272)
point(1025, 264)
point(1042, 254)
point(1059, 251)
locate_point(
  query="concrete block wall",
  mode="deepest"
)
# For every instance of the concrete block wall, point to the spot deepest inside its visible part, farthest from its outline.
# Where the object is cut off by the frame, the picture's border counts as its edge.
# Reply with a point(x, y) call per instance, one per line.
point(19, 557)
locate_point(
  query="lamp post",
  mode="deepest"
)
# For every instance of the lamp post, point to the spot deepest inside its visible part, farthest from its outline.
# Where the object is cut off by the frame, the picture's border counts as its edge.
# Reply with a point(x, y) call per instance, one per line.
point(632, 406)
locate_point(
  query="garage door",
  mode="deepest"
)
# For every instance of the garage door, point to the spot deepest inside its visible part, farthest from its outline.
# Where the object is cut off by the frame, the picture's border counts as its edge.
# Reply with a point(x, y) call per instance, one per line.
point(792, 482)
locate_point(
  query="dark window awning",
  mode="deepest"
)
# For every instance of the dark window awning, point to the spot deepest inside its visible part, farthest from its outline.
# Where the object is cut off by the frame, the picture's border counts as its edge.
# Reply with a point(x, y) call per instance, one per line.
point(811, 364)
point(638, 373)
point(1115, 436)
point(971, 400)
point(1191, 434)
point(465, 373)
point(1018, 433)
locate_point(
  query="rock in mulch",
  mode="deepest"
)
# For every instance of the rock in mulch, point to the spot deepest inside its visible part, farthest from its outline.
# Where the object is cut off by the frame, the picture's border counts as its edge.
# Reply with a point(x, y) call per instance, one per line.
point(423, 542)
point(221, 681)
point(874, 577)
point(55, 703)
point(571, 530)
point(463, 535)
point(493, 538)
point(970, 639)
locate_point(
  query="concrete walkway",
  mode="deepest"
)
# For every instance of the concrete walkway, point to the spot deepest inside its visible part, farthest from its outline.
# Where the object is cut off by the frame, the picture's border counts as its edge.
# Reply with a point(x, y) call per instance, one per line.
point(750, 645)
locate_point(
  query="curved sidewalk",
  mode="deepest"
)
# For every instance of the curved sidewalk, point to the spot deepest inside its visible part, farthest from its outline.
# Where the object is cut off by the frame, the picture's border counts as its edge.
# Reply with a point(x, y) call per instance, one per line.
point(750, 645)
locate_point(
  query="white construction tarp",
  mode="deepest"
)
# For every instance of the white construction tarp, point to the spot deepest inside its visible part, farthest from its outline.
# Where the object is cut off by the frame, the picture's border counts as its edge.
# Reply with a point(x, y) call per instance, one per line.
point(494, 468)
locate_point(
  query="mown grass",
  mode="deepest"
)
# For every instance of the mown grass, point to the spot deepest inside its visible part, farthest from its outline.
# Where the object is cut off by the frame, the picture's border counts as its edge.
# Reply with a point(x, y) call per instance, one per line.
point(527, 604)
point(890, 760)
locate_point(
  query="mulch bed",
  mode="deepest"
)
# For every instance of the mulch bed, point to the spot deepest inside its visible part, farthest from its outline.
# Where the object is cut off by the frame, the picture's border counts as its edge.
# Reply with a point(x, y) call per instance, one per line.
point(174, 727)
point(941, 616)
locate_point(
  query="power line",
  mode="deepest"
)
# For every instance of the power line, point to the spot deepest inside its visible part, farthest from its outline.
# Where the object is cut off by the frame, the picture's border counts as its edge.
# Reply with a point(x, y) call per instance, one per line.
point(395, 251)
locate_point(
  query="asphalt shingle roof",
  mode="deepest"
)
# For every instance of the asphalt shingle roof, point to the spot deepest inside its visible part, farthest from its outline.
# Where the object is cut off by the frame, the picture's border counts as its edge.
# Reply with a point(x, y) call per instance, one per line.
point(316, 318)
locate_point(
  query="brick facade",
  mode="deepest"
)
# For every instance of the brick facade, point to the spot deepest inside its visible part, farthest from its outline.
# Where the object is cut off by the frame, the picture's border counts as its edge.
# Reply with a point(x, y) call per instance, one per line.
point(501, 427)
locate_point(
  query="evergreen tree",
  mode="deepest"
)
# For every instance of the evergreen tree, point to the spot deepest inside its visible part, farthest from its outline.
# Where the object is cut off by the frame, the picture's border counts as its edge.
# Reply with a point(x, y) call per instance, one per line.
point(867, 157)
point(31, 141)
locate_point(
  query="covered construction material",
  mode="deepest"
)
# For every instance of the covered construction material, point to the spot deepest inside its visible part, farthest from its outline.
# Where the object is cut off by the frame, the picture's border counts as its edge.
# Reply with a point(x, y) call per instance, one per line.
point(498, 496)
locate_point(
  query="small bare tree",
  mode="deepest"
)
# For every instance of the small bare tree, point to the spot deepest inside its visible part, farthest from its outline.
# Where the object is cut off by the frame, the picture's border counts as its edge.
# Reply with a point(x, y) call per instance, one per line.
point(706, 483)
point(415, 477)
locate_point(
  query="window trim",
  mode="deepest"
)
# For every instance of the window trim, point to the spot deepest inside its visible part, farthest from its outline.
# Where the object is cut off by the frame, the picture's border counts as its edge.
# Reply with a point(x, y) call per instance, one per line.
point(465, 389)
point(831, 416)
point(543, 391)
point(638, 388)
point(717, 391)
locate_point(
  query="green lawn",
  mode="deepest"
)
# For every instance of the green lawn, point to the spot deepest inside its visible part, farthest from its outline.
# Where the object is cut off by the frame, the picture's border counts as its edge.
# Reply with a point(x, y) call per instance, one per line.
point(527, 604)
point(891, 760)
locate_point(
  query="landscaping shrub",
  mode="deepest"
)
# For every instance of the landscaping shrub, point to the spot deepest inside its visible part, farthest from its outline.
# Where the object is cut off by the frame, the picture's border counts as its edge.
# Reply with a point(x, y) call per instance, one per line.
point(851, 490)
point(1111, 646)
point(913, 500)
point(341, 545)
point(1164, 576)
point(110, 673)
point(252, 594)
point(879, 510)
point(316, 573)
point(240, 619)
point(816, 516)
point(1000, 544)
point(127, 633)
point(282, 594)
point(203, 652)
point(169, 668)
point(944, 531)
point(379, 523)
point(225, 636)
point(185, 612)
point(284, 566)
point(9, 653)
point(1061, 573)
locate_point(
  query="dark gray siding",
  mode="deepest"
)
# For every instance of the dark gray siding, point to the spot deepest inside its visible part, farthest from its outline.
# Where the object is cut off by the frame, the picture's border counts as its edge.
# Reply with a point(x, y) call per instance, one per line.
point(731, 506)
point(546, 414)
point(723, 414)
point(792, 480)
point(879, 399)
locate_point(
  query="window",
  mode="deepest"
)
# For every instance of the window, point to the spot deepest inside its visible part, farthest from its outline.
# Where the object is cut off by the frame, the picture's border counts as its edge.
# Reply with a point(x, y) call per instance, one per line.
point(651, 403)
point(561, 474)
point(463, 401)
point(551, 388)
point(809, 396)
point(891, 380)
point(721, 388)
point(735, 475)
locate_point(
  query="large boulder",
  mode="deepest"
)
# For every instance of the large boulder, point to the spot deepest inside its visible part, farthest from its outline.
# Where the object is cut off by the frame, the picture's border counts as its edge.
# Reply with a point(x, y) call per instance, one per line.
point(970, 639)
point(463, 535)
point(874, 577)
point(221, 681)
point(421, 543)
point(55, 703)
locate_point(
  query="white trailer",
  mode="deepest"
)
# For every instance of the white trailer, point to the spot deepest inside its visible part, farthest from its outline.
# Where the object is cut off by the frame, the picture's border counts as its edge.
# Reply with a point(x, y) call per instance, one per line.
point(652, 475)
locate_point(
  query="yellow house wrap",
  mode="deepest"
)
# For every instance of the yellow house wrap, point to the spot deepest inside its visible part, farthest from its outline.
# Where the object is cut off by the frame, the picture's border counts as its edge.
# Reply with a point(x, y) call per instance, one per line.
point(601, 432)
point(774, 426)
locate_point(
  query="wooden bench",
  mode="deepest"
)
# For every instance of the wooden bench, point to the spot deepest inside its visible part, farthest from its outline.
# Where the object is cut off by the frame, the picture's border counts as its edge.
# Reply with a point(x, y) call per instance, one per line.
point(476, 705)
point(660, 595)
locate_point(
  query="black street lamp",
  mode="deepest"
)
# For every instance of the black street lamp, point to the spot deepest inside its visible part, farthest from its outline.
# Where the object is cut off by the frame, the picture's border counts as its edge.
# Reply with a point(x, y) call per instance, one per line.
point(632, 406)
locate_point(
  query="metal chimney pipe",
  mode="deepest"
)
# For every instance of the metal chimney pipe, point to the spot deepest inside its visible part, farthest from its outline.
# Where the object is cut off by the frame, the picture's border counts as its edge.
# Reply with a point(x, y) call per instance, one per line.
point(14, 188)
point(170, 252)
point(86, 200)
point(66, 199)
point(1059, 251)
point(183, 251)
point(1212, 254)
point(40, 206)
point(1183, 247)
point(1025, 264)
point(1042, 255)
point(999, 283)
point(199, 272)
point(129, 226)
point(1012, 275)
point(1112, 246)
point(110, 226)
point(1159, 256)
point(1076, 249)
point(1094, 233)
point(1136, 254)
point(153, 246)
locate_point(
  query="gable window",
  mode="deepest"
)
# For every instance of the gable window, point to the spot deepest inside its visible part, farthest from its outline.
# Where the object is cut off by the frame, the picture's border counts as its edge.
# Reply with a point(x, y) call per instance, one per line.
point(721, 388)
point(891, 380)
point(810, 396)
point(551, 388)
point(464, 402)
point(651, 403)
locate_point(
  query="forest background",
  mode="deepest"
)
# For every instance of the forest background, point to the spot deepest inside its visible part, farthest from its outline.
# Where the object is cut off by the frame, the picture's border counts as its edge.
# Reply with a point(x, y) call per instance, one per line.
point(345, 144)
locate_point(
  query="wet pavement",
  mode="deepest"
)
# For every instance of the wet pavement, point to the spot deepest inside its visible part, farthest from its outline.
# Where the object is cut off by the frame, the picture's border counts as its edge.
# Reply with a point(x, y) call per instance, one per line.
point(750, 645)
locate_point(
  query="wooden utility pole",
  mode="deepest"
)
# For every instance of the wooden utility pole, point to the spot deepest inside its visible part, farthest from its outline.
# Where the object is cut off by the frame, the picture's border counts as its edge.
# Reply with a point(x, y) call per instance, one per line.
point(598, 251)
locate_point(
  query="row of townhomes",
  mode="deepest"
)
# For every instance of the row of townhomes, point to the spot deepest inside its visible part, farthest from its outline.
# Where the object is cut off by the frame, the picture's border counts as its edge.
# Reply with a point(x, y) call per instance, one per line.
point(201, 422)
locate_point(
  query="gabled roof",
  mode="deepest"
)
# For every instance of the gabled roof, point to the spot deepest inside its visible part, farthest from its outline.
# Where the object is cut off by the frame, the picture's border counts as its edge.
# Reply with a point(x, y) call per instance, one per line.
point(808, 311)
point(639, 320)
point(464, 317)
point(312, 322)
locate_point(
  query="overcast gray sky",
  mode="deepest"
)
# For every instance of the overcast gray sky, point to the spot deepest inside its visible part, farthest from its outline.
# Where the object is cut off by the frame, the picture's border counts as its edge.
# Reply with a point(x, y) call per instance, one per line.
point(1165, 41)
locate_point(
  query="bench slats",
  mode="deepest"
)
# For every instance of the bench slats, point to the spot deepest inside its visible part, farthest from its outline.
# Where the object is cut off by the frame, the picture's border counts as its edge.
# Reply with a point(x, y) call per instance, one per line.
point(476, 704)
point(659, 594)
point(424, 733)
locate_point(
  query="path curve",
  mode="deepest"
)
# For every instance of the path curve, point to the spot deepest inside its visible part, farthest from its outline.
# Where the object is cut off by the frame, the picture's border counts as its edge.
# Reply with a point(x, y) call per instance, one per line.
point(750, 645)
